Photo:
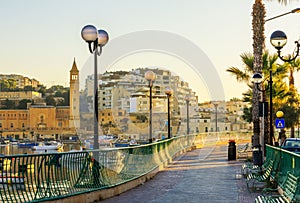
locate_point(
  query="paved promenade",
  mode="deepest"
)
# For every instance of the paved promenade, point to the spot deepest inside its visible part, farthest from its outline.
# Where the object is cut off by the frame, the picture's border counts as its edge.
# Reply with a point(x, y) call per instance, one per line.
point(201, 175)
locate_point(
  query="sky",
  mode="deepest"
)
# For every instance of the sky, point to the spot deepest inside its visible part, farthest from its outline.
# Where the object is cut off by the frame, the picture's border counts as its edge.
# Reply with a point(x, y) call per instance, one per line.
point(40, 39)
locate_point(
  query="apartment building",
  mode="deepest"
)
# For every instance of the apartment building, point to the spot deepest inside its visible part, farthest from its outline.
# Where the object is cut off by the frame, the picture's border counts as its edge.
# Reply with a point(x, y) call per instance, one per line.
point(20, 81)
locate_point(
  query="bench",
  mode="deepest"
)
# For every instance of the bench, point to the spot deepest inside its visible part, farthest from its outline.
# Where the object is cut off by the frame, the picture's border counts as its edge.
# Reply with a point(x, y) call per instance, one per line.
point(249, 167)
point(243, 151)
point(263, 176)
point(287, 191)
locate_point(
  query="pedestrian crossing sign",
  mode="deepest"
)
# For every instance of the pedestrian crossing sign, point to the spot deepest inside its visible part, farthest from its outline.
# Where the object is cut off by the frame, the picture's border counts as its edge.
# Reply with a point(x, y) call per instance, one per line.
point(279, 123)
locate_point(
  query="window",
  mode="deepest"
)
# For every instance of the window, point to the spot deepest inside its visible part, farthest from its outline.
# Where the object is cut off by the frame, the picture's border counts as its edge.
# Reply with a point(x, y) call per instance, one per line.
point(41, 119)
point(11, 125)
point(0, 125)
point(23, 125)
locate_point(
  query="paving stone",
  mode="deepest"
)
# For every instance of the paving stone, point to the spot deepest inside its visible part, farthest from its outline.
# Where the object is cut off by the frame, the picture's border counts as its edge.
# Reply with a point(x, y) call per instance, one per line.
point(201, 175)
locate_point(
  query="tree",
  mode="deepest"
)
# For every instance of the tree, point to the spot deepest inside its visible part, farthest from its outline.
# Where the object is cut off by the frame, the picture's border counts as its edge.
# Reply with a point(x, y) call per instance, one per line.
point(23, 103)
point(12, 84)
point(245, 75)
point(9, 104)
point(247, 114)
point(4, 86)
point(258, 22)
point(42, 90)
point(293, 66)
point(28, 88)
point(50, 100)
point(292, 113)
point(66, 96)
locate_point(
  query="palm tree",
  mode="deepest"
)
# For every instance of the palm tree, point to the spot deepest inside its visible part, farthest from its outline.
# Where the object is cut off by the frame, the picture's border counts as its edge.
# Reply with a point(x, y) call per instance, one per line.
point(258, 21)
point(268, 63)
point(293, 66)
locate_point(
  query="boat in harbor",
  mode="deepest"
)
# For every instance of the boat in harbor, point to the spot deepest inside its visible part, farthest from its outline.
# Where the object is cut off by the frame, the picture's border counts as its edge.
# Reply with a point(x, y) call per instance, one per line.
point(126, 143)
point(3, 144)
point(26, 144)
point(50, 145)
point(13, 141)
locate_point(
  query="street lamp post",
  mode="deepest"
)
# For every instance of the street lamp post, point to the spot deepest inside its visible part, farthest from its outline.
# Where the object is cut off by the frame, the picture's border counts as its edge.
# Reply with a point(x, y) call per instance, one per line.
point(168, 92)
point(257, 152)
point(257, 79)
point(150, 76)
point(96, 40)
point(216, 108)
point(187, 99)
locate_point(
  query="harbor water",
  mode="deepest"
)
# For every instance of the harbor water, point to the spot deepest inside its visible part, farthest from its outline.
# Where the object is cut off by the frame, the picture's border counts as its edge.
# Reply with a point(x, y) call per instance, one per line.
point(14, 149)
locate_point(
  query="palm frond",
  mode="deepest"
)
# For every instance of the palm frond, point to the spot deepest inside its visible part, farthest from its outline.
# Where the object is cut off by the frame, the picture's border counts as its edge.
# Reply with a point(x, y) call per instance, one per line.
point(239, 75)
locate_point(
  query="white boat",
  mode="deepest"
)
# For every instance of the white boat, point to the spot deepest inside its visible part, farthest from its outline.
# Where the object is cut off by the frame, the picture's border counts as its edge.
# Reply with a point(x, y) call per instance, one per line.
point(51, 145)
point(13, 142)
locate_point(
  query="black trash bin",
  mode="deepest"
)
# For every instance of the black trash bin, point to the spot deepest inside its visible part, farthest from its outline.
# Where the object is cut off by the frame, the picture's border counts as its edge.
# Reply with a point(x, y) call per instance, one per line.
point(231, 150)
point(257, 155)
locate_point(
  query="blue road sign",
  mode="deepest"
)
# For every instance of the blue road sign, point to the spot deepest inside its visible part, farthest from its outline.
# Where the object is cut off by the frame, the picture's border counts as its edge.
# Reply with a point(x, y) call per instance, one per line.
point(279, 123)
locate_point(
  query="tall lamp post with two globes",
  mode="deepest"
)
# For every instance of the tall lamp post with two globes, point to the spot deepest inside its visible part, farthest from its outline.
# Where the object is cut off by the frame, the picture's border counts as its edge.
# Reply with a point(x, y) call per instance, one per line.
point(96, 39)
point(150, 76)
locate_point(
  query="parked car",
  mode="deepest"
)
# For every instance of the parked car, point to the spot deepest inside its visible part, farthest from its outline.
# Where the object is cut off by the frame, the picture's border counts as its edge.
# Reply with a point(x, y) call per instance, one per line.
point(292, 144)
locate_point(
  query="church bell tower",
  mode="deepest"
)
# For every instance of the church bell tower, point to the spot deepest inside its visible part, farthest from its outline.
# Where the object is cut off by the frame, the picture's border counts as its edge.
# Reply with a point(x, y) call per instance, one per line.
point(74, 97)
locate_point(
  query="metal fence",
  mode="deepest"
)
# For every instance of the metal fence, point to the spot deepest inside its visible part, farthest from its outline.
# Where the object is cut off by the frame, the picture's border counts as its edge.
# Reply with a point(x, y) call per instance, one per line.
point(284, 162)
point(50, 176)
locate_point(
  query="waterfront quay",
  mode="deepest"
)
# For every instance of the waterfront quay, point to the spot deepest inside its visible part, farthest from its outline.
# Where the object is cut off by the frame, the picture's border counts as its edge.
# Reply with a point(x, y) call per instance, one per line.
point(200, 175)
point(81, 175)
point(193, 168)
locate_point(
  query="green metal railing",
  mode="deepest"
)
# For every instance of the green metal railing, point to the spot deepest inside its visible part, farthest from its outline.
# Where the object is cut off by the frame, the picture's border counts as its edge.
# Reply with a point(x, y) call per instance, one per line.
point(50, 176)
point(284, 162)
point(41, 177)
